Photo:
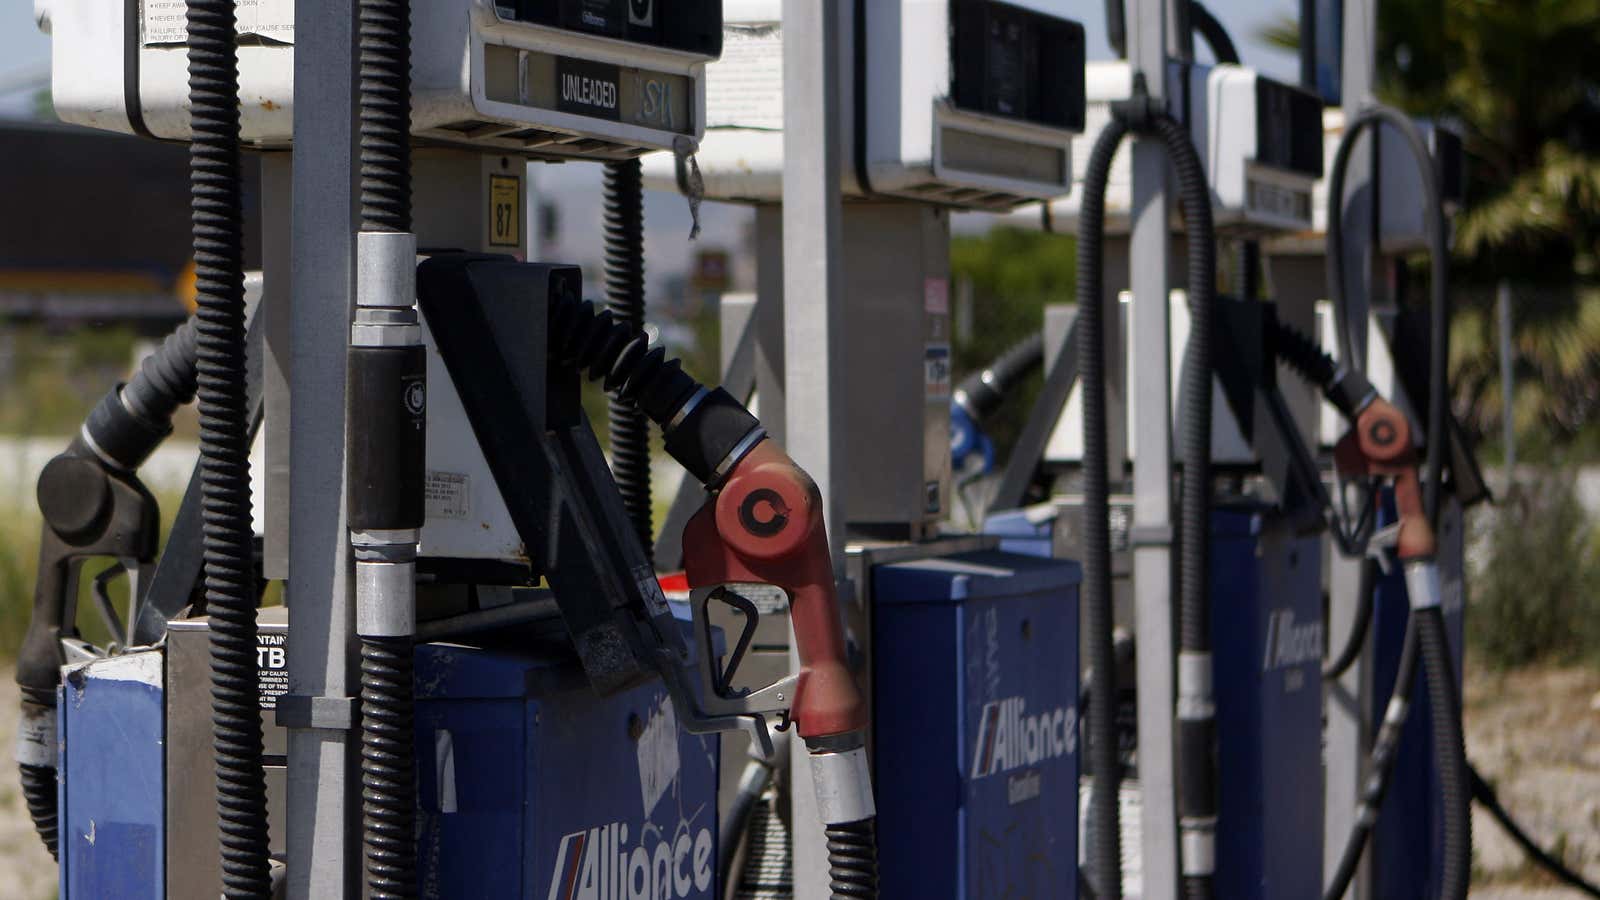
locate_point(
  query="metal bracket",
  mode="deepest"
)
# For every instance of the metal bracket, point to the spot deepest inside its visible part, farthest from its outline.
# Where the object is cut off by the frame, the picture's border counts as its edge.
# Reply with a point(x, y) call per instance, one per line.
point(322, 713)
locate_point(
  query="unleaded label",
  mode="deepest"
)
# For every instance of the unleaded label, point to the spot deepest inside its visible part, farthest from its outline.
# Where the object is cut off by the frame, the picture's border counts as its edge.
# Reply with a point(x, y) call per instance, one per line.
point(589, 88)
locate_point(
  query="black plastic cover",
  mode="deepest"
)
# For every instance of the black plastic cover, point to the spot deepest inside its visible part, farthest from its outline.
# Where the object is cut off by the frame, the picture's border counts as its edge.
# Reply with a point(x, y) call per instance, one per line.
point(694, 26)
point(388, 436)
point(1014, 62)
point(709, 433)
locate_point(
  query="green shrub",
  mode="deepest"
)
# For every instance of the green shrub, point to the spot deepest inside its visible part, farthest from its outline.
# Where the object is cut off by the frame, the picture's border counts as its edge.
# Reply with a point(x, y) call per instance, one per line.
point(1537, 595)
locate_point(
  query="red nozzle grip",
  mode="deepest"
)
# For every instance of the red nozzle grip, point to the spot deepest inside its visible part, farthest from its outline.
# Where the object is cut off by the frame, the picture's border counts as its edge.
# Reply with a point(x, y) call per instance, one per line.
point(1380, 445)
point(765, 526)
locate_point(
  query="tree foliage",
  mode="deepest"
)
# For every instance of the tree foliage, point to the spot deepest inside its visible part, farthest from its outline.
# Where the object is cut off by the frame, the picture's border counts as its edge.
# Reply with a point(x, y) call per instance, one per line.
point(1521, 80)
point(1007, 276)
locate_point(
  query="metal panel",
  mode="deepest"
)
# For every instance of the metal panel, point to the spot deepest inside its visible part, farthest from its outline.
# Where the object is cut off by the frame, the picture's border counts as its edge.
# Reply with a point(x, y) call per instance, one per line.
point(111, 779)
point(193, 852)
point(896, 334)
point(977, 655)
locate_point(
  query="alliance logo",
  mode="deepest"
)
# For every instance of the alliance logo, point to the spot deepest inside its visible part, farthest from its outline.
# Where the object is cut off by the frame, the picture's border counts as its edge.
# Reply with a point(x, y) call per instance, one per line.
point(1290, 644)
point(1009, 738)
point(597, 865)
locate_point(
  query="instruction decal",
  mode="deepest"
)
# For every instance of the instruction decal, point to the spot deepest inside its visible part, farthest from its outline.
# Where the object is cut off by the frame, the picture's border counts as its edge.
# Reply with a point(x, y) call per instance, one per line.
point(166, 22)
point(447, 495)
point(272, 668)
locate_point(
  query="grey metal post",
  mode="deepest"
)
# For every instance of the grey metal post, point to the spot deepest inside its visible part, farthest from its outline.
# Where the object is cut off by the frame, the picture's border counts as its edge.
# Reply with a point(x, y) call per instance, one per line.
point(1507, 385)
point(1152, 474)
point(324, 799)
point(813, 313)
point(277, 262)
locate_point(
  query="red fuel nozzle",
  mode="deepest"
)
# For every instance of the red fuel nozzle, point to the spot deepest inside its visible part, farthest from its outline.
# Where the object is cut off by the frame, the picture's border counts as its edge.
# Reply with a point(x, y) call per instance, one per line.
point(1380, 445)
point(765, 526)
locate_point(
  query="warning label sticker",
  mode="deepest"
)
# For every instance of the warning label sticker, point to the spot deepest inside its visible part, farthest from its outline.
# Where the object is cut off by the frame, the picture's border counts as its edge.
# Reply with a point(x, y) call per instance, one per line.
point(744, 89)
point(936, 371)
point(272, 669)
point(166, 21)
point(448, 495)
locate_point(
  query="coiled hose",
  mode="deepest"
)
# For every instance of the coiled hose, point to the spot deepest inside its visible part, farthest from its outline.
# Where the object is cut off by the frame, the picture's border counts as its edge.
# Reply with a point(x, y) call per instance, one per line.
point(630, 430)
point(1444, 704)
point(388, 788)
point(1203, 23)
point(1485, 795)
point(619, 356)
point(852, 860)
point(39, 792)
point(1380, 767)
point(225, 446)
point(1196, 711)
point(982, 392)
point(1197, 796)
point(1105, 830)
point(388, 769)
point(166, 378)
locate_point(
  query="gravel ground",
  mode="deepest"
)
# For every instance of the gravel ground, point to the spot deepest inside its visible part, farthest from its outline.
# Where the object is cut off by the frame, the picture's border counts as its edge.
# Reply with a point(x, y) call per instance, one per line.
point(1535, 735)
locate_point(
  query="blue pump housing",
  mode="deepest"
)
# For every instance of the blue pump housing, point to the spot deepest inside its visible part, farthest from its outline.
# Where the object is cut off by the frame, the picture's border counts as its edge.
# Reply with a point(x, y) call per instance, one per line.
point(112, 785)
point(530, 786)
point(975, 693)
point(1267, 640)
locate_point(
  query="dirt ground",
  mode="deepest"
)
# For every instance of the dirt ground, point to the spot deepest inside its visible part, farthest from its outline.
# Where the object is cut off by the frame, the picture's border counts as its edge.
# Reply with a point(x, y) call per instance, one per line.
point(1535, 735)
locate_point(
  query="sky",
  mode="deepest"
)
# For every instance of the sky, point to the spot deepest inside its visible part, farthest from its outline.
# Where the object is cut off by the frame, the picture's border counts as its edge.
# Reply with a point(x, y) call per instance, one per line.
point(25, 55)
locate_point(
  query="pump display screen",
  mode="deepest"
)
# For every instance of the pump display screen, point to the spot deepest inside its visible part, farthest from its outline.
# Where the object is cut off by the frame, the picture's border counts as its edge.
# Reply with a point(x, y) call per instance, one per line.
point(694, 26)
point(1018, 63)
point(1288, 128)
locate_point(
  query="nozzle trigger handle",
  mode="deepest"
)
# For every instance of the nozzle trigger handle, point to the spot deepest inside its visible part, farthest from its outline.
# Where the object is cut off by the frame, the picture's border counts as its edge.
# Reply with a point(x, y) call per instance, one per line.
point(765, 526)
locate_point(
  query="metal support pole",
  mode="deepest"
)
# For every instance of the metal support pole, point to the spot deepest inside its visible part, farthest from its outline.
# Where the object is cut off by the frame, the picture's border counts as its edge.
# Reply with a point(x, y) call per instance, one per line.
point(324, 790)
point(812, 318)
point(1152, 474)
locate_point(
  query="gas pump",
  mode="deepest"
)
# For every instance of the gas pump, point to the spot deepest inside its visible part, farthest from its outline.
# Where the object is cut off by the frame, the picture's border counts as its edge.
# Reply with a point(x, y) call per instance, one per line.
point(943, 105)
point(517, 656)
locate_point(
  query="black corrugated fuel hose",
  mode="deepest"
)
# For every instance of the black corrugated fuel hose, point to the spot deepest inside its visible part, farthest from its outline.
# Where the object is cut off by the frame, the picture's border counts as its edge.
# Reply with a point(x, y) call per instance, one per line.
point(1196, 710)
point(1197, 797)
point(1202, 22)
point(1104, 827)
point(388, 777)
point(1380, 766)
point(230, 588)
point(1428, 621)
point(1485, 795)
point(982, 392)
point(624, 263)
